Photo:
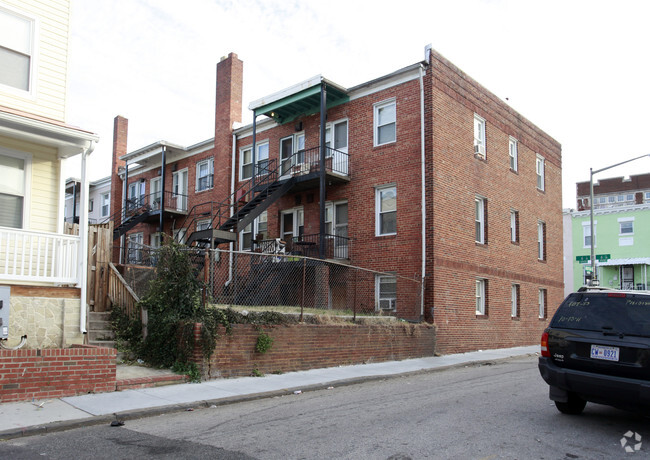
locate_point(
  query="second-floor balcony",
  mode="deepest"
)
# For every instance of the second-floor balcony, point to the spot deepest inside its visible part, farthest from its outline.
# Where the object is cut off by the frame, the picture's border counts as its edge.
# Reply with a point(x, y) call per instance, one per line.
point(336, 246)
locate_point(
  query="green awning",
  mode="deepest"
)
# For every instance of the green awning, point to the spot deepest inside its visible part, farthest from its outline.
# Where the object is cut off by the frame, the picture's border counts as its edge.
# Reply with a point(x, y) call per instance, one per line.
point(291, 104)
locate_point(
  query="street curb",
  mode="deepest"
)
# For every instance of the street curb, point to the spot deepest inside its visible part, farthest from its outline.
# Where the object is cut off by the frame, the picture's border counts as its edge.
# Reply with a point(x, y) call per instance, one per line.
point(125, 416)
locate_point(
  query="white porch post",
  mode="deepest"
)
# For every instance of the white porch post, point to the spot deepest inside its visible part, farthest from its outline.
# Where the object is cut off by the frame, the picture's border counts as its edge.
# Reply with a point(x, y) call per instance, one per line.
point(83, 239)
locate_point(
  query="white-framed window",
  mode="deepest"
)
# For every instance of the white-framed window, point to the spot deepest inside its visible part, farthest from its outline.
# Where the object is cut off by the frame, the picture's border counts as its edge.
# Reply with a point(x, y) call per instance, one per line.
point(514, 226)
point(479, 136)
point(602, 200)
point(629, 197)
point(539, 170)
point(106, 204)
point(292, 153)
point(205, 174)
point(245, 163)
point(386, 292)
point(542, 303)
point(386, 210)
point(336, 227)
point(262, 158)
point(626, 226)
point(17, 49)
point(15, 171)
point(513, 153)
point(179, 235)
point(246, 160)
point(385, 121)
point(514, 301)
point(586, 234)
point(647, 196)
point(479, 219)
point(611, 199)
point(481, 304)
point(620, 198)
point(257, 229)
point(136, 194)
point(91, 205)
point(541, 240)
point(134, 248)
point(203, 224)
point(155, 240)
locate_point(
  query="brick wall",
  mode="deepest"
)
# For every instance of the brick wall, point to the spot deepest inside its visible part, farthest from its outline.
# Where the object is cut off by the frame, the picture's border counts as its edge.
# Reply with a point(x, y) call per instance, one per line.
point(57, 372)
point(301, 347)
point(456, 176)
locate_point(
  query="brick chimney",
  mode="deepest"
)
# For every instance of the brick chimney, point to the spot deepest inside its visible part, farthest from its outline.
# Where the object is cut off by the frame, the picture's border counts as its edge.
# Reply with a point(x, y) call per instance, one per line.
point(120, 132)
point(228, 110)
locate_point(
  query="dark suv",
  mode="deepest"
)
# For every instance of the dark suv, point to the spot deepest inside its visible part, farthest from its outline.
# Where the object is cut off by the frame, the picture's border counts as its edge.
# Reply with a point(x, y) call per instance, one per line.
point(597, 349)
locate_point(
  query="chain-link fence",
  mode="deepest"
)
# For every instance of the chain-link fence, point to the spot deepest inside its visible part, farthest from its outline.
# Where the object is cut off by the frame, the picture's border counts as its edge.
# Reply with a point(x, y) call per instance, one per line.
point(290, 283)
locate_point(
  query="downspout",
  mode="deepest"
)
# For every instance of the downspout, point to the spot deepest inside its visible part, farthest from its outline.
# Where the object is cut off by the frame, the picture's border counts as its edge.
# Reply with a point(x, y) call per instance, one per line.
point(232, 205)
point(322, 191)
point(83, 235)
point(423, 196)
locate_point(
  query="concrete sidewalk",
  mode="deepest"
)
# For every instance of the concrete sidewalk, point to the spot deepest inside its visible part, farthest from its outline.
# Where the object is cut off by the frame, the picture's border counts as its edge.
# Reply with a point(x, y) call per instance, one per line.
point(30, 418)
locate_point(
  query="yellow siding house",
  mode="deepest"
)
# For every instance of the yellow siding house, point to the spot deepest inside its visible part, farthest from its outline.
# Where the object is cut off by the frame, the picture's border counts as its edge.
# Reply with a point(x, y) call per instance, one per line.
point(42, 270)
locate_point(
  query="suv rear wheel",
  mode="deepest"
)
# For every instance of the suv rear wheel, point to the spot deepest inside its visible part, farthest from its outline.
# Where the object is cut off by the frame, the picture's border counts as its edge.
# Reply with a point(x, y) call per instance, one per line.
point(574, 405)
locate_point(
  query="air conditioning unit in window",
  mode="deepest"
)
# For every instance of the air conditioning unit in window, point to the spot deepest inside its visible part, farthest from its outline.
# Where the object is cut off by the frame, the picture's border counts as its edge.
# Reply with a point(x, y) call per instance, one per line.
point(479, 150)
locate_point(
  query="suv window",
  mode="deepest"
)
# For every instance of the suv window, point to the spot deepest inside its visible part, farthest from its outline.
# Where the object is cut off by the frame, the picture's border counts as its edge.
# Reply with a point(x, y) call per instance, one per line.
point(627, 314)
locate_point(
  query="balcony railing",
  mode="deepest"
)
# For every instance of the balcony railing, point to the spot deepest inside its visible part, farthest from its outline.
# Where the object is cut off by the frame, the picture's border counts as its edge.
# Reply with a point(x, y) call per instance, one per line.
point(336, 247)
point(308, 161)
point(38, 256)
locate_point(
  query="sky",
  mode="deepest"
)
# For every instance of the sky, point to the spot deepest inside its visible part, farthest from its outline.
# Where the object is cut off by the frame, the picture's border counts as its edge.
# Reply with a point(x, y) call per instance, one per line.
point(577, 69)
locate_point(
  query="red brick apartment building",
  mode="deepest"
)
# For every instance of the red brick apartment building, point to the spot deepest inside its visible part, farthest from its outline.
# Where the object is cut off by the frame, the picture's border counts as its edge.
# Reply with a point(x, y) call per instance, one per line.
point(425, 174)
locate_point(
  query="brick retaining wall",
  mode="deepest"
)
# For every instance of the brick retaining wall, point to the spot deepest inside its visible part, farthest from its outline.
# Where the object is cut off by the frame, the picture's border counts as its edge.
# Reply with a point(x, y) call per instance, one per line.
point(308, 346)
point(56, 372)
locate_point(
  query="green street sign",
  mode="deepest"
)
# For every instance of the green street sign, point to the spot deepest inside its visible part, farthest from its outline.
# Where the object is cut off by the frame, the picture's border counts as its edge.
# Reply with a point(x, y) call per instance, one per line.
point(582, 259)
point(603, 257)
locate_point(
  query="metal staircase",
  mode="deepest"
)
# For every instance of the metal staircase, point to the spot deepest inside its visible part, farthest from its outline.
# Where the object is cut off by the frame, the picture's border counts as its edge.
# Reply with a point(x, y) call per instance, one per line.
point(239, 210)
point(137, 211)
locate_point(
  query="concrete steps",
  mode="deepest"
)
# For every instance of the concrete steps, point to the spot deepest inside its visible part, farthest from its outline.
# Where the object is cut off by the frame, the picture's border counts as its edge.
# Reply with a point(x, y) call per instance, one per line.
point(99, 329)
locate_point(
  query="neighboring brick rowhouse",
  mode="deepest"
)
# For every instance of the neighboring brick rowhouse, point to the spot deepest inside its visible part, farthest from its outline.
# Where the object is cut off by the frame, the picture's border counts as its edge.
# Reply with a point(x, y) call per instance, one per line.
point(308, 346)
point(56, 372)
point(454, 179)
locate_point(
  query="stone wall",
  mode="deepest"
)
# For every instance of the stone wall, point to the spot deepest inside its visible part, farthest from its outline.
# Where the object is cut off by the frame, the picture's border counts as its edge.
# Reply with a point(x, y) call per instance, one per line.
point(49, 317)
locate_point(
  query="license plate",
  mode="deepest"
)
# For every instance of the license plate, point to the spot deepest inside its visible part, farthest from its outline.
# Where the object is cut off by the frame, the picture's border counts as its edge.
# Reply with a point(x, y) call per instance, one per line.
point(606, 353)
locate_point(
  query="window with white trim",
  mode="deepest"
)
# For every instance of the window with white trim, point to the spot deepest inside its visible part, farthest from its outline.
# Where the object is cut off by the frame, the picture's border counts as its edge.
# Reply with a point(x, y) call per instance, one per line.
point(16, 50)
point(13, 190)
point(245, 163)
point(105, 197)
point(91, 205)
point(647, 196)
point(480, 220)
point(541, 240)
point(385, 120)
point(539, 170)
point(479, 136)
point(542, 303)
point(385, 292)
point(514, 226)
point(514, 301)
point(205, 174)
point(586, 234)
point(262, 158)
point(386, 210)
point(626, 226)
point(134, 248)
point(481, 304)
point(257, 230)
point(155, 240)
point(513, 153)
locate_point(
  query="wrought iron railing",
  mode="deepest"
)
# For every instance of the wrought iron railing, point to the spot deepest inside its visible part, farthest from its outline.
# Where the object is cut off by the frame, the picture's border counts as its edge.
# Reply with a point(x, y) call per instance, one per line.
point(336, 247)
point(308, 161)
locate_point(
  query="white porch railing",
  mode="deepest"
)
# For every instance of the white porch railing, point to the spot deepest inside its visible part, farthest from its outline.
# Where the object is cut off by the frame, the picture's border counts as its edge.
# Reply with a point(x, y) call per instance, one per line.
point(38, 256)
